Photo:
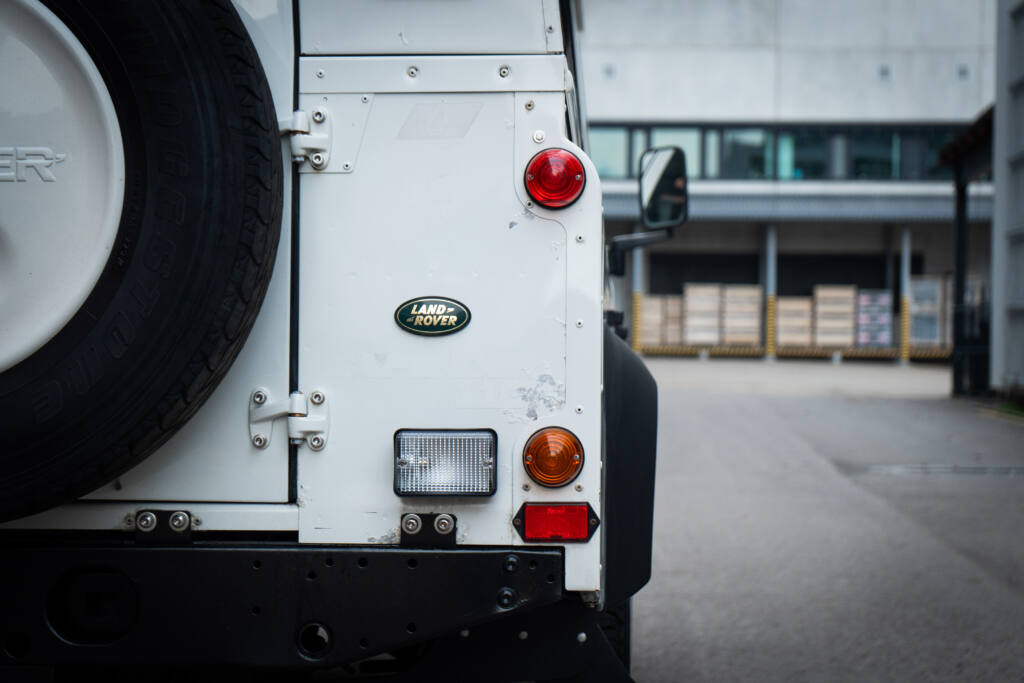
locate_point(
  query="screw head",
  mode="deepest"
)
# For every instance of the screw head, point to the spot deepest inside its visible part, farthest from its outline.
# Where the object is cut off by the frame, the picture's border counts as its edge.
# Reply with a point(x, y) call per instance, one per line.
point(579, 323)
point(179, 521)
point(579, 238)
point(319, 115)
point(411, 523)
point(412, 72)
point(259, 441)
point(347, 166)
point(507, 598)
point(504, 71)
point(259, 397)
point(365, 98)
point(317, 397)
point(319, 73)
point(146, 521)
point(317, 160)
point(529, 105)
point(444, 524)
point(316, 442)
point(581, 637)
point(579, 410)
point(539, 136)
point(579, 487)
point(523, 635)
point(511, 563)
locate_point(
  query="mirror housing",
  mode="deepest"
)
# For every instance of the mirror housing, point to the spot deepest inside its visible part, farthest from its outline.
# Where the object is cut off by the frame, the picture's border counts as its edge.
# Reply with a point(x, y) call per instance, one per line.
point(664, 192)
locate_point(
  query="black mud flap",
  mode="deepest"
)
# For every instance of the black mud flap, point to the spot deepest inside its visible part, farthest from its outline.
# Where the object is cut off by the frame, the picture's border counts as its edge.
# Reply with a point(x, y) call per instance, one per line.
point(630, 432)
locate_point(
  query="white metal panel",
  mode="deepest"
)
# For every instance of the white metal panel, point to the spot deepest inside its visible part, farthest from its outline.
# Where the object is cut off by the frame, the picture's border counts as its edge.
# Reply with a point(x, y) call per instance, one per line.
point(435, 209)
point(431, 74)
point(206, 516)
point(357, 27)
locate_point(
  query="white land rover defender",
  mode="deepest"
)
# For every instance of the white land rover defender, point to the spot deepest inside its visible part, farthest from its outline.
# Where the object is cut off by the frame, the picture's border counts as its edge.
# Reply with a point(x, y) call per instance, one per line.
point(303, 359)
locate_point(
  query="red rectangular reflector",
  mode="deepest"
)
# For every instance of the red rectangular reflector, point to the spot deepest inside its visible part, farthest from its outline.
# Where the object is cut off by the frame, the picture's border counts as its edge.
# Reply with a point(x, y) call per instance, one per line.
point(564, 522)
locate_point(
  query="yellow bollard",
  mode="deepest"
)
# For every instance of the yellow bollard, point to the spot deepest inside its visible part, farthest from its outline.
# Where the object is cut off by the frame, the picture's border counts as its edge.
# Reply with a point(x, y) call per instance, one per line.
point(904, 330)
point(769, 326)
point(637, 343)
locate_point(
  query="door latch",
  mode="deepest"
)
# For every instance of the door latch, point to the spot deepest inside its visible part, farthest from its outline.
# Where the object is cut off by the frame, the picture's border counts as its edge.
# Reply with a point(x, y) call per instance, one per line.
point(307, 418)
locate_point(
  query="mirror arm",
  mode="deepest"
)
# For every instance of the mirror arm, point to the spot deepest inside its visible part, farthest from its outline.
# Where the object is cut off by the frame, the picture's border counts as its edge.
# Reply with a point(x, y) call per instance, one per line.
point(632, 240)
point(620, 244)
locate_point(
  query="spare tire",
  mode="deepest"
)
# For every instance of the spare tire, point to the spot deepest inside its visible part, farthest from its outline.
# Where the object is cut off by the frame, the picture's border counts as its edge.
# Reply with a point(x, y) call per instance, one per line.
point(192, 242)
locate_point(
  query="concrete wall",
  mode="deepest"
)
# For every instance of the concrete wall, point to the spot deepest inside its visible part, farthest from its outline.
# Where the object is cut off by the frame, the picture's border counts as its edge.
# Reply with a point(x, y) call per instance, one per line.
point(1007, 365)
point(788, 60)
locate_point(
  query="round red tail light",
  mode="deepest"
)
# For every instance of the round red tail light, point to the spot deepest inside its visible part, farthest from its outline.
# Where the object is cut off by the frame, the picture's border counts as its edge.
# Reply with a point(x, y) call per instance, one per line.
point(555, 178)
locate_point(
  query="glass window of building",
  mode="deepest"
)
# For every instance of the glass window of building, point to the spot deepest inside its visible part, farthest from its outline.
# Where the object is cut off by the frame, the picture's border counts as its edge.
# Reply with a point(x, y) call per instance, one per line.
point(686, 139)
point(640, 145)
point(712, 148)
point(609, 149)
point(803, 154)
point(874, 154)
point(934, 141)
point(746, 153)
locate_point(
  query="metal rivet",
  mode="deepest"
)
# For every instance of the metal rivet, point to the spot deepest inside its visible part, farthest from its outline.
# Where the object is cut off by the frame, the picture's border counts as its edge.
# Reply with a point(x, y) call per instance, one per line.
point(464, 633)
point(259, 441)
point(259, 397)
point(551, 29)
point(529, 204)
point(365, 99)
point(411, 523)
point(316, 442)
point(347, 165)
point(579, 487)
point(145, 521)
point(539, 136)
point(412, 72)
point(319, 73)
point(526, 487)
point(319, 115)
point(529, 105)
point(579, 410)
point(517, 522)
point(504, 71)
point(576, 457)
point(444, 523)
point(579, 323)
point(523, 635)
point(179, 521)
point(581, 637)
point(317, 397)
point(579, 238)
point(511, 563)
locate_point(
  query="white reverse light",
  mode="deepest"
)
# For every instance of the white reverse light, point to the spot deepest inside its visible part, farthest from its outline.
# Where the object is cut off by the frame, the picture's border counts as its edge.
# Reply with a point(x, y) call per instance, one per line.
point(445, 462)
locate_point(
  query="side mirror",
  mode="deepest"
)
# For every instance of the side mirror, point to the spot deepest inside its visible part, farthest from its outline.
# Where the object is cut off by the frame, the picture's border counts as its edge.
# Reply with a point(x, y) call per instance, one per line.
point(664, 197)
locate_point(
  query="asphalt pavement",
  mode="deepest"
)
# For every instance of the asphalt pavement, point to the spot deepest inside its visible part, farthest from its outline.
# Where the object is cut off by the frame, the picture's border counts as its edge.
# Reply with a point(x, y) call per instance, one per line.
point(820, 522)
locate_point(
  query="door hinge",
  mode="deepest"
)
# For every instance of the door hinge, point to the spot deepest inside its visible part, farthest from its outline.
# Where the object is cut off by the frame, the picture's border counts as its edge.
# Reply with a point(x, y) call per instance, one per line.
point(307, 418)
point(309, 137)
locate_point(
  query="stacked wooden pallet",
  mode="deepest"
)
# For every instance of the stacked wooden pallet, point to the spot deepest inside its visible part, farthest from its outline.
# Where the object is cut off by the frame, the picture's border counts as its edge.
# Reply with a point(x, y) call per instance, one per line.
point(794, 321)
point(835, 308)
point(927, 311)
point(741, 314)
point(874, 317)
point(702, 314)
point(652, 313)
point(672, 326)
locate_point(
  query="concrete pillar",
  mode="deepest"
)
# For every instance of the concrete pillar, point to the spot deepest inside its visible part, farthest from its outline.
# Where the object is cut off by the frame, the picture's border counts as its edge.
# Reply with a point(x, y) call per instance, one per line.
point(770, 287)
point(639, 268)
point(905, 296)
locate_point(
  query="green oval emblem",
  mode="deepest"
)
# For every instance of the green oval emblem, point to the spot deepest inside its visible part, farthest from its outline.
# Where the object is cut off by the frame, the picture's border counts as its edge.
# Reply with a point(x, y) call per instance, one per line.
point(432, 316)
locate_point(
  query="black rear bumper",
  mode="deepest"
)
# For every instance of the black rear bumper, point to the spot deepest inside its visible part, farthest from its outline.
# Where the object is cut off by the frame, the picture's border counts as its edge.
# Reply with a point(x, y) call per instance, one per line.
point(255, 605)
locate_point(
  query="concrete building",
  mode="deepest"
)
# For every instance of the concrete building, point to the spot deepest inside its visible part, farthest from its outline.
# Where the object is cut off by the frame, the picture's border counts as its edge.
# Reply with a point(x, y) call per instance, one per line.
point(812, 131)
point(1007, 363)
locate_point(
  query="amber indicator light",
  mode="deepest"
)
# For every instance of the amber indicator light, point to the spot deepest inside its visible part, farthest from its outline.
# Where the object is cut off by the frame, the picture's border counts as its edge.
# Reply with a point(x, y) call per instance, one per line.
point(553, 457)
